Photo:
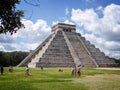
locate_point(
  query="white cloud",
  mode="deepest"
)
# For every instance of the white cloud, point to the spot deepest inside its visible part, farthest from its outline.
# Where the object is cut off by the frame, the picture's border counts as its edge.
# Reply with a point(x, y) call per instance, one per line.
point(89, 1)
point(104, 31)
point(66, 11)
point(28, 46)
point(25, 39)
point(34, 31)
point(68, 22)
point(7, 42)
point(100, 8)
point(2, 48)
point(65, 21)
point(6, 38)
point(54, 22)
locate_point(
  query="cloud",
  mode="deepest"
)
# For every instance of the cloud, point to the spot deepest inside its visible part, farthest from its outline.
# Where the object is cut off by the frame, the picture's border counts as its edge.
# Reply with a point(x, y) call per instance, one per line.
point(100, 8)
point(65, 21)
point(103, 31)
point(66, 11)
point(34, 31)
point(109, 24)
point(7, 42)
point(28, 46)
point(2, 48)
point(26, 38)
point(6, 38)
point(68, 22)
point(8, 47)
point(54, 22)
point(89, 1)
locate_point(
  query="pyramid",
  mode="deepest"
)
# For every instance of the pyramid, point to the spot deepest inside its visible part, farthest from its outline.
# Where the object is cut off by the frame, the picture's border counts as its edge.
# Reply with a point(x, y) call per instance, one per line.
point(65, 48)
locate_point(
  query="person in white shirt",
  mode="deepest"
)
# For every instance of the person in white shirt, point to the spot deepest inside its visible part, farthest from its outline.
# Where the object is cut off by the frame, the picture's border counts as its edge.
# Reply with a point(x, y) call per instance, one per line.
point(27, 70)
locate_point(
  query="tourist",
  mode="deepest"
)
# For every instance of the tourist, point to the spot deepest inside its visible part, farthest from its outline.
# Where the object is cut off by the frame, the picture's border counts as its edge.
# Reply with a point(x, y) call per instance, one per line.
point(10, 69)
point(27, 70)
point(1, 70)
point(60, 70)
point(79, 70)
point(41, 67)
point(73, 70)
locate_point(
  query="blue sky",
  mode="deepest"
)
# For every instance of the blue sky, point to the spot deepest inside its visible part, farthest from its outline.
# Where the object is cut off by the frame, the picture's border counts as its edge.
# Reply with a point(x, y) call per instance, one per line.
point(97, 20)
point(53, 10)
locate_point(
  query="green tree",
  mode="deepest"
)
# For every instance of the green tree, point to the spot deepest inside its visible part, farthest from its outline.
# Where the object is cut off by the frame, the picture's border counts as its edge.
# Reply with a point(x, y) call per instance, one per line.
point(10, 17)
point(1, 59)
point(11, 58)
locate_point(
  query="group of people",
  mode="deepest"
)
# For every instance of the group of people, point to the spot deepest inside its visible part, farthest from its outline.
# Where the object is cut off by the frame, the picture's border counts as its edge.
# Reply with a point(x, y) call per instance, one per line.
point(76, 70)
point(10, 68)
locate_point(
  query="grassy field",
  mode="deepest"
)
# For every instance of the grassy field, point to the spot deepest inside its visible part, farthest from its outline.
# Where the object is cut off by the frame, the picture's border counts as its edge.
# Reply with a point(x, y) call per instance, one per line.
point(51, 79)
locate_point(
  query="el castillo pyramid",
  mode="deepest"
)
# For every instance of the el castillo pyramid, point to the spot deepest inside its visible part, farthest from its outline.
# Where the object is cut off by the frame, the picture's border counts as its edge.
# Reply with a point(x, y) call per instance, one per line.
point(65, 48)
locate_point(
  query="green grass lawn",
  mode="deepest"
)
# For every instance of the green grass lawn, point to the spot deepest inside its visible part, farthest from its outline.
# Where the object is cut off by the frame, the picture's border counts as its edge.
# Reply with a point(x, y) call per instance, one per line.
point(51, 79)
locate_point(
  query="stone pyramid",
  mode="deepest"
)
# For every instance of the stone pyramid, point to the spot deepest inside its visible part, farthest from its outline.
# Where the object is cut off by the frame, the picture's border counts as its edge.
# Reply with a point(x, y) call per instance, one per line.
point(65, 48)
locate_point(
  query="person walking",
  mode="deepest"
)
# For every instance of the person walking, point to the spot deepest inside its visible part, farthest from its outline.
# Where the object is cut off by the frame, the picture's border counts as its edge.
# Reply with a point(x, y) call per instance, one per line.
point(79, 70)
point(73, 70)
point(27, 70)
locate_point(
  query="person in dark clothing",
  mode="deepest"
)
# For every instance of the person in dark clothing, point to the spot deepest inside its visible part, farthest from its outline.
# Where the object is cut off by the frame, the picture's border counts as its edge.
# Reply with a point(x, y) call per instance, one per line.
point(1, 70)
point(41, 67)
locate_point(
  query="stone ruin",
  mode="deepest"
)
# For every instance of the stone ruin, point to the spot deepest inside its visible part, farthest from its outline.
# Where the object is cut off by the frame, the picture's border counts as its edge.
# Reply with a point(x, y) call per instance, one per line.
point(66, 48)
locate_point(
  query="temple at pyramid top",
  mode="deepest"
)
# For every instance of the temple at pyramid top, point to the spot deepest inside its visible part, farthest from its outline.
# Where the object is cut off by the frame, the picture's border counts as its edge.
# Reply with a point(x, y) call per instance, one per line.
point(66, 48)
point(64, 27)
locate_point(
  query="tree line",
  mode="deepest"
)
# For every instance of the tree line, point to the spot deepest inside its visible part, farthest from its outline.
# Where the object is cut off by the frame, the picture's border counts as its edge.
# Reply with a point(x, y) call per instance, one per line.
point(11, 58)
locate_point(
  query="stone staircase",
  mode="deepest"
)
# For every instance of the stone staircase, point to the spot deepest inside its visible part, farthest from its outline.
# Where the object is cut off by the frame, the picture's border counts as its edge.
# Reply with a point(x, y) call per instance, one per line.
point(33, 57)
point(57, 54)
point(80, 50)
point(99, 57)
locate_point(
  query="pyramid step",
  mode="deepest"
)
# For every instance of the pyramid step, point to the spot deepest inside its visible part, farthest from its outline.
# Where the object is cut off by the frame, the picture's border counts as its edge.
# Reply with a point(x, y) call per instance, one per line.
point(54, 64)
point(56, 51)
point(51, 59)
point(57, 55)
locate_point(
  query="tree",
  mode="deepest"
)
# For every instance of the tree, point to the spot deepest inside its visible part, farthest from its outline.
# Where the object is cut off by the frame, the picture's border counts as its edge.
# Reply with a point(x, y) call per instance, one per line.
point(11, 58)
point(10, 17)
